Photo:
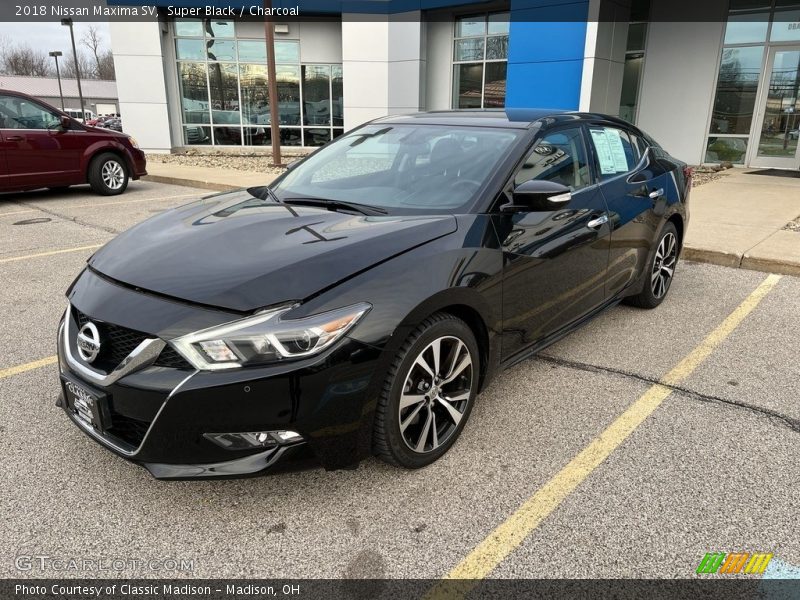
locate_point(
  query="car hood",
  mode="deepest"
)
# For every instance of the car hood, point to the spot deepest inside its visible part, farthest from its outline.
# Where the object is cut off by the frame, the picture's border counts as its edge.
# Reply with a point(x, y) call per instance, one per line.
point(236, 252)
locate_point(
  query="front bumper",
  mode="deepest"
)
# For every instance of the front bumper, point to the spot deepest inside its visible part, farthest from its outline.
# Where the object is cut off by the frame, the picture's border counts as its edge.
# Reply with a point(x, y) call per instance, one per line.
point(157, 411)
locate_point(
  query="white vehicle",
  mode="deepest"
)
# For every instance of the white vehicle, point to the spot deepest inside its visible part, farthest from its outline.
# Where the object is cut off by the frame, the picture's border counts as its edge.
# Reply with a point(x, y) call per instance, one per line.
point(75, 113)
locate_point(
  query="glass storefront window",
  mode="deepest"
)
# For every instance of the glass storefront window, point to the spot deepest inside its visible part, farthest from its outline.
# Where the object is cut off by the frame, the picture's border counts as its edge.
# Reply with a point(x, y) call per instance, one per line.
point(480, 52)
point(287, 52)
point(726, 149)
point(494, 87)
point(189, 28)
point(636, 37)
point(218, 50)
point(467, 81)
point(224, 89)
point(786, 27)
point(253, 51)
point(469, 49)
point(190, 49)
point(498, 24)
point(194, 92)
point(737, 88)
point(337, 98)
point(632, 73)
point(497, 47)
point(288, 79)
point(219, 29)
point(470, 26)
point(255, 98)
point(197, 135)
point(747, 29)
point(316, 95)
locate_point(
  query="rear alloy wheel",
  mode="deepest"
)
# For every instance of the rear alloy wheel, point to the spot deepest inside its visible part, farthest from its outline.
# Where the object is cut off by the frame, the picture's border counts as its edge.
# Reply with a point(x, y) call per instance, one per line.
point(108, 175)
point(661, 271)
point(429, 393)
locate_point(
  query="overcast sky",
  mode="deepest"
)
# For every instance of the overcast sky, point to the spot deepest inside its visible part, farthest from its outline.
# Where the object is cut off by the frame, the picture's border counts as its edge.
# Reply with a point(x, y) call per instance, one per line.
point(50, 36)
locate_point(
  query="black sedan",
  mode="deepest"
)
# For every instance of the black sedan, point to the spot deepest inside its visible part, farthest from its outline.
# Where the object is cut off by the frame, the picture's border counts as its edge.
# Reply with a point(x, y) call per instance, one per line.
point(360, 304)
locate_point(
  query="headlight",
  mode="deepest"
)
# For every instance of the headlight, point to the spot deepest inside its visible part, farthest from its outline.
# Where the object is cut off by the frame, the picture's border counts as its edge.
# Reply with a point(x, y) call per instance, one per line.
point(133, 141)
point(266, 338)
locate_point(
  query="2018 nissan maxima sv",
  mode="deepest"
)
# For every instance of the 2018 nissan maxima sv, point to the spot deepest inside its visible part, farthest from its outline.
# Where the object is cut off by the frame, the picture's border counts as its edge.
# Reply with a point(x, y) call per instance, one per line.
point(360, 304)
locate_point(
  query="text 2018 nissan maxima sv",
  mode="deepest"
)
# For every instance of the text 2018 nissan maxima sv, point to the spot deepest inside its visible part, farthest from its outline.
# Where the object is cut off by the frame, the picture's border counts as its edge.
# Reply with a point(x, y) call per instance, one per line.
point(360, 304)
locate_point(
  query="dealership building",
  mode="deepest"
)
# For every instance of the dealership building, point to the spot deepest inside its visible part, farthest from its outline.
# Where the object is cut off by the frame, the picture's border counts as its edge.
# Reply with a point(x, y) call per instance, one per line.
point(720, 87)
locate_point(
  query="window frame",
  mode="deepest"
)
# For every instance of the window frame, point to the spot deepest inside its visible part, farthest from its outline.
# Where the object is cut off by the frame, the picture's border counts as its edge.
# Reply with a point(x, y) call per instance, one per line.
point(483, 61)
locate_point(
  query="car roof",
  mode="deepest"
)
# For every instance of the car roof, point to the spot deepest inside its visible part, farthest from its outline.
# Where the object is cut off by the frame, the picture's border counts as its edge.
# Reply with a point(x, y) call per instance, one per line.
point(513, 118)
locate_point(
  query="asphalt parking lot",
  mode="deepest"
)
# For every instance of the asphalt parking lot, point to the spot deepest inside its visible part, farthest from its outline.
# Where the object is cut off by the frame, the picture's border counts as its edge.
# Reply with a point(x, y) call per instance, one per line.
point(712, 466)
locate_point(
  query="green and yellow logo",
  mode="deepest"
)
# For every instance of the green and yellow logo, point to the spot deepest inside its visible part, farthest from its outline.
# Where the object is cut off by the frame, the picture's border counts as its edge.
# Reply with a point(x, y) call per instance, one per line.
point(734, 563)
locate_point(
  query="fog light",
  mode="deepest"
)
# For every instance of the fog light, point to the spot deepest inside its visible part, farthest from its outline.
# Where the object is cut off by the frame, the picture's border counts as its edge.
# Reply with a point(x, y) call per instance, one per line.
point(253, 439)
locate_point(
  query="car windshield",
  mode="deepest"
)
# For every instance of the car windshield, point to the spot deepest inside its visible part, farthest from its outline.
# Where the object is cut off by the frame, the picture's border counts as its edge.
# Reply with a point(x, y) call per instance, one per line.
point(403, 169)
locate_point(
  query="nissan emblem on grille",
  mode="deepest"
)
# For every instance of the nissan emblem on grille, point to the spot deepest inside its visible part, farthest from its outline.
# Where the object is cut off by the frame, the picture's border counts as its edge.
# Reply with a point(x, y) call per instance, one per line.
point(88, 342)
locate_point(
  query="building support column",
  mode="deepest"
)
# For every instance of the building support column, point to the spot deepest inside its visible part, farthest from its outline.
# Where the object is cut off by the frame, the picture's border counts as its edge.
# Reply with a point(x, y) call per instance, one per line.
point(383, 65)
point(141, 82)
point(604, 56)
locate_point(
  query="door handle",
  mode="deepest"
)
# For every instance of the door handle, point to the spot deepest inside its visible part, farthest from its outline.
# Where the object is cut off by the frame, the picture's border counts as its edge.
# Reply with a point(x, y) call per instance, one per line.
point(15, 138)
point(598, 222)
point(656, 194)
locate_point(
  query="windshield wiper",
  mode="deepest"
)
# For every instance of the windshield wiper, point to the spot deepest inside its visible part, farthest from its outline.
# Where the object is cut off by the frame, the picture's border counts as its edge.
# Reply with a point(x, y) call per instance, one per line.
point(364, 209)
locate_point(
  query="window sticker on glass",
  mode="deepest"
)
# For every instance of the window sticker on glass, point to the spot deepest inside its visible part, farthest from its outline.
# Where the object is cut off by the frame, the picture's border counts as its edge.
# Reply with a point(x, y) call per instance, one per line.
point(610, 152)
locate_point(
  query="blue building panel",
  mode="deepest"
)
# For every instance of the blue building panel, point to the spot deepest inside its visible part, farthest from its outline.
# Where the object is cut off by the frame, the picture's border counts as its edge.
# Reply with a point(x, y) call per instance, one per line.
point(546, 48)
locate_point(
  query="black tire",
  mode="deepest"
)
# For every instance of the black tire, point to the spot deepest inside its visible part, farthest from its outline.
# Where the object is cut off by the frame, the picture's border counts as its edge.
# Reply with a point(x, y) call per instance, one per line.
point(108, 174)
point(655, 289)
point(390, 442)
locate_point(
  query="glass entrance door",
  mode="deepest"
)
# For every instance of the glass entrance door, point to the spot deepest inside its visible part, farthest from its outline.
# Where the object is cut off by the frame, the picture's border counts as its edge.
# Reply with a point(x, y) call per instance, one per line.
point(779, 111)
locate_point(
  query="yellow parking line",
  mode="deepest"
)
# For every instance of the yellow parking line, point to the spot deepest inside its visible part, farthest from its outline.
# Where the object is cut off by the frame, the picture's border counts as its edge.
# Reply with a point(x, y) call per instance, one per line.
point(512, 532)
point(43, 362)
point(49, 253)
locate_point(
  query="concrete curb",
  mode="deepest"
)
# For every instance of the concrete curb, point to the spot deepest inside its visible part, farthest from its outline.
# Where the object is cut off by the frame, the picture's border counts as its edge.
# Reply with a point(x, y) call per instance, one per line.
point(737, 261)
point(206, 185)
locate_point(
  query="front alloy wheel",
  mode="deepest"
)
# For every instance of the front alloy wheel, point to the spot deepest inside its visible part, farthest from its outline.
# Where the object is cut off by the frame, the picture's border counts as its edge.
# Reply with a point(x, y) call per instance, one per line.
point(435, 394)
point(428, 393)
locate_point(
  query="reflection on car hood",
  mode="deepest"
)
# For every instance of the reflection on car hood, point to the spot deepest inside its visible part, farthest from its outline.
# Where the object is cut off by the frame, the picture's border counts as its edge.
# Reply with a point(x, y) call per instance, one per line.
point(240, 253)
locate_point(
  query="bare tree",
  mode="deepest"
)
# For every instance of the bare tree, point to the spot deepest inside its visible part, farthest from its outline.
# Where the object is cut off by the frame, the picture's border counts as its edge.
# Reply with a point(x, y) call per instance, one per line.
point(23, 60)
point(85, 66)
point(105, 67)
point(93, 42)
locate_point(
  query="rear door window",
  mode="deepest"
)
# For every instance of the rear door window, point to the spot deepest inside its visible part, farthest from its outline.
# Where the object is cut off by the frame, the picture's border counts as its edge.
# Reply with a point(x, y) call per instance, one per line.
point(614, 152)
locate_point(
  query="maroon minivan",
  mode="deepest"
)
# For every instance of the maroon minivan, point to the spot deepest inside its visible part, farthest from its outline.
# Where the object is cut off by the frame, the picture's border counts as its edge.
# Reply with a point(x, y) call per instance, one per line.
point(41, 147)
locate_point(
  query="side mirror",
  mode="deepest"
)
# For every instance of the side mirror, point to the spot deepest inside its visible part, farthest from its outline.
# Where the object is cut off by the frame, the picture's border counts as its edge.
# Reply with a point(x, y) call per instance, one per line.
point(538, 194)
point(66, 122)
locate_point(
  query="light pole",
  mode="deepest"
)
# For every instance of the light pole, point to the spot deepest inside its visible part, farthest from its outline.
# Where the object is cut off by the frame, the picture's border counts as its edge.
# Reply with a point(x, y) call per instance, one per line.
point(55, 54)
point(272, 85)
point(68, 23)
